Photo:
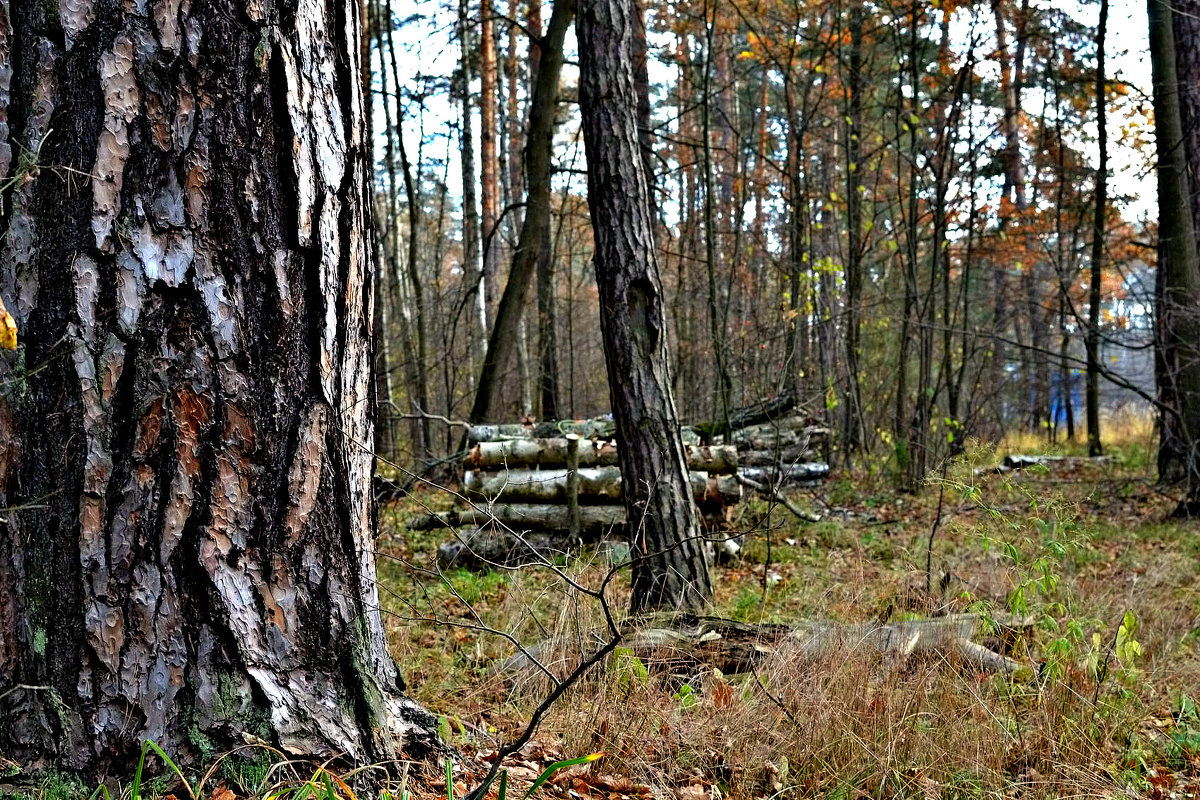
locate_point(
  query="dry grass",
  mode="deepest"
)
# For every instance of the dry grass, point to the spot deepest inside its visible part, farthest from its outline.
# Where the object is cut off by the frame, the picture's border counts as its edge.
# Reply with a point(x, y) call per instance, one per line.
point(1083, 546)
point(1077, 549)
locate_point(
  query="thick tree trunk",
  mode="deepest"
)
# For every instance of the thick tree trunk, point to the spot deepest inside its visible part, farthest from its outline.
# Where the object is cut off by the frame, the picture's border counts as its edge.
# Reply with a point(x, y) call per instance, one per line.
point(1178, 323)
point(1173, 439)
point(187, 551)
point(669, 568)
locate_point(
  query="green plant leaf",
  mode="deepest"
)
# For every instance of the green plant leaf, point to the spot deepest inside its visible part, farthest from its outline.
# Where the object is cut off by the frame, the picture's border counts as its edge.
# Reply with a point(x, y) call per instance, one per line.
point(557, 765)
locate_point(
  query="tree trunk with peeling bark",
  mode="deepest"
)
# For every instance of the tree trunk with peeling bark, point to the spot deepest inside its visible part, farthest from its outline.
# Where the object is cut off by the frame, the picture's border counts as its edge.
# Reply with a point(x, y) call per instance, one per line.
point(189, 271)
point(669, 568)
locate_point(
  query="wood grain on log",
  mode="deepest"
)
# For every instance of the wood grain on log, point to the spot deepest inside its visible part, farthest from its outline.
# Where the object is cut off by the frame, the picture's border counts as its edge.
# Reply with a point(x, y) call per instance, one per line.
point(596, 485)
point(524, 516)
point(545, 453)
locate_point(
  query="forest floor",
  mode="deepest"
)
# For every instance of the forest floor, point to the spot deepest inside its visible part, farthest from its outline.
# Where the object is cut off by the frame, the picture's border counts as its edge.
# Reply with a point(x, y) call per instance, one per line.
point(1109, 707)
point(1087, 550)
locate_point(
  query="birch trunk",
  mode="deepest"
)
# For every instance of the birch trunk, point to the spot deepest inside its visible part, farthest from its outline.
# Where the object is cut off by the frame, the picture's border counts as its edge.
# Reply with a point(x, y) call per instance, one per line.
point(187, 551)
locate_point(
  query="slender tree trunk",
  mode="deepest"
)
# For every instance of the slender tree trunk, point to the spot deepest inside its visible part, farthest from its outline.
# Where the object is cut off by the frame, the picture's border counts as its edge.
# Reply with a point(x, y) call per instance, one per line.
point(1013, 193)
point(547, 380)
point(669, 568)
point(384, 430)
point(1092, 342)
point(853, 423)
point(536, 225)
point(391, 235)
point(412, 194)
point(722, 386)
point(795, 357)
point(488, 179)
point(473, 275)
point(1178, 323)
point(187, 550)
point(1187, 55)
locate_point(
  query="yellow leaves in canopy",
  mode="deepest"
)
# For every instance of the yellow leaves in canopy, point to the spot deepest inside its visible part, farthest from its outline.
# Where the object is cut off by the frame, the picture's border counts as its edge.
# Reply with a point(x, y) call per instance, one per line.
point(8, 329)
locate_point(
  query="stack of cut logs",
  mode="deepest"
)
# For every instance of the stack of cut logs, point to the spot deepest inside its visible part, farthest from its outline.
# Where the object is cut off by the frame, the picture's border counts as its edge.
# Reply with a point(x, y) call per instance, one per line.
point(564, 478)
point(782, 452)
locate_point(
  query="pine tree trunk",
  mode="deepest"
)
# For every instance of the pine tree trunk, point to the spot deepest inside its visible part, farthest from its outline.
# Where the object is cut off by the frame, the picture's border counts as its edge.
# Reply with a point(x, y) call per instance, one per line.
point(536, 227)
point(184, 438)
point(853, 425)
point(471, 237)
point(547, 314)
point(489, 181)
point(1092, 341)
point(669, 568)
point(1178, 281)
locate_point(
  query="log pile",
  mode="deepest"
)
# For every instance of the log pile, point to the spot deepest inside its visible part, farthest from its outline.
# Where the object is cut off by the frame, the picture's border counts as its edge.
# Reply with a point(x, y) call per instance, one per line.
point(782, 452)
point(565, 478)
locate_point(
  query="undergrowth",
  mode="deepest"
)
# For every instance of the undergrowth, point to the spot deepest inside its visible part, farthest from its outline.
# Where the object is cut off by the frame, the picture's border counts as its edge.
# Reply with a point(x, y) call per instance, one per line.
point(1107, 704)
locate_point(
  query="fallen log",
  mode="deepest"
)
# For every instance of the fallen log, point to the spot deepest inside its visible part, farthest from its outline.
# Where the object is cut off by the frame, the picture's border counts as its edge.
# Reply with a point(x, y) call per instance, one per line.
point(481, 549)
point(596, 485)
point(1016, 462)
point(544, 453)
point(523, 517)
point(738, 647)
point(601, 428)
point(792, 454)
point(779, 439)
point(763, 411)
point(773, 494)
point(789, 474)
point(587, 428)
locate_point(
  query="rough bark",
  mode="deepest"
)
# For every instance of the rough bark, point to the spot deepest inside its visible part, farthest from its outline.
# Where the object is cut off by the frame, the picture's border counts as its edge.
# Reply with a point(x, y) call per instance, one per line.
point(1178, 322)
point(548, 390)
point(187, 551)
point(1186, 28)
point(384, 437)
point(853, 423)
point(669, 568)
